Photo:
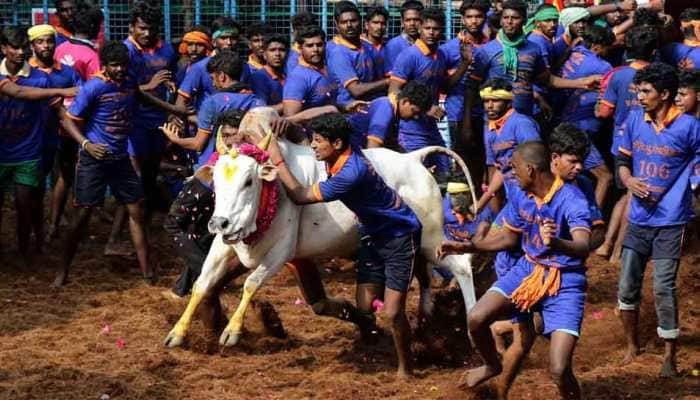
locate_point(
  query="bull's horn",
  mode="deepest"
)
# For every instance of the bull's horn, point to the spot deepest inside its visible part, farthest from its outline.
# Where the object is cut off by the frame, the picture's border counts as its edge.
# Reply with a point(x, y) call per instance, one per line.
point(265, 142)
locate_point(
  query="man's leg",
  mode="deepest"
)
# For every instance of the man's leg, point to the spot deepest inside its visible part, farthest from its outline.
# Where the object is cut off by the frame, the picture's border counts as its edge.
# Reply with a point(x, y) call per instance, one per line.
point(523, 339)
point(489, 307)
point(65, 171)
point(606, 248)
point(629, 296)
point(395, 310)
point(139, 238)
point(76, 234)
point(603, 182)
point(24, 203)
point(617, 250)
point(121, 215)
point(499, 330)
point(561, 351)
point(665, 274)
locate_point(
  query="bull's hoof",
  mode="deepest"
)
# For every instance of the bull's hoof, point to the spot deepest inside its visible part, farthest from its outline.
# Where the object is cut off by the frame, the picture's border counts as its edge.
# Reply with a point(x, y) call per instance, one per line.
point(229, 338)
point(174, 339)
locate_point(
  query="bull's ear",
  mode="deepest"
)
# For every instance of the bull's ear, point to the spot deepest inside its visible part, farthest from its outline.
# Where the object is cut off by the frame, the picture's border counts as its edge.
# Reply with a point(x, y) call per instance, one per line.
point(205, 174)
point(267, 172)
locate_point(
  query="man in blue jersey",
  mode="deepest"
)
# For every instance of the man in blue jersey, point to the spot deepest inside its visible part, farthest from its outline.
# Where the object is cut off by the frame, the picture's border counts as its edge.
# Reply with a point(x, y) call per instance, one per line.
point(685, 55)
point(586, 60)
point(426, 64)
point(458, 55)
point(22, 123)
point(100, 119)
point(43, 42)
point(298, 22)
point(255, 37)
point(618, 96)
point(268, 82)
point(410, 31)
point(376, 21)
point(65, 13)
point(552, 218)
point(658, 162)
point(225, 68)
point(389, 229)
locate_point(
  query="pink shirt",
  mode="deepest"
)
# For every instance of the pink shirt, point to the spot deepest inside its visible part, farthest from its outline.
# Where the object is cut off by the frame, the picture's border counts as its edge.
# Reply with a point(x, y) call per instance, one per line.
point(83, 58)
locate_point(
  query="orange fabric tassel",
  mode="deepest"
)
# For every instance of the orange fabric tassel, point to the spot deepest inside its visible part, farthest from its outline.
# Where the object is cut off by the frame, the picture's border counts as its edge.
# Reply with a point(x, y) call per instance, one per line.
point(534, 287)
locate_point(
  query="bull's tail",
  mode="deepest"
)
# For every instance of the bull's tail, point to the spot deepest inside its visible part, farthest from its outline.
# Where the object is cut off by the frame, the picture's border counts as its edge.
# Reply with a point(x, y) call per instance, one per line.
point(421, 154)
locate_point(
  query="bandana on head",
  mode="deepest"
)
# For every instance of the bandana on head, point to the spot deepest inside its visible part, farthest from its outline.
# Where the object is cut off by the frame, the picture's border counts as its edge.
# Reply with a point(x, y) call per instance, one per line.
point(224, 31)
point(510, 52)
point(572, 14)
point(457, 187)
point(545, 14)
point(194, 37)
point(38, 31)
point(498, 94)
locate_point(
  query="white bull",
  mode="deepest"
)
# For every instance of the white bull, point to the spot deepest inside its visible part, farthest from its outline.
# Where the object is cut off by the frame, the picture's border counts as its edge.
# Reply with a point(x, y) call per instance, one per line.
point(308, 231)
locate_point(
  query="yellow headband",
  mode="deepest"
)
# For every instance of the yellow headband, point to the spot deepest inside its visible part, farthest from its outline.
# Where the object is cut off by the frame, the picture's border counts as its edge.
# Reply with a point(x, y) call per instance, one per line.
point(457, 187)
point(38, 31)
point(499, 94)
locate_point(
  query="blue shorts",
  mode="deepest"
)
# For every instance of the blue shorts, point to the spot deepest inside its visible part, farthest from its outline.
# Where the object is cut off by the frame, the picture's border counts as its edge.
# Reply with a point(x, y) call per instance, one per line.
point(143, 142)
point(505, 261)
point(594, 159)
point(92, 176)
point(388, 261)
point(563, 312)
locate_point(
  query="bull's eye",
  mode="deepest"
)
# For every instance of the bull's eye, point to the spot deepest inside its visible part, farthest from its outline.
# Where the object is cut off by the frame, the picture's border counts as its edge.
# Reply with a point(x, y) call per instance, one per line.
point(248, 182)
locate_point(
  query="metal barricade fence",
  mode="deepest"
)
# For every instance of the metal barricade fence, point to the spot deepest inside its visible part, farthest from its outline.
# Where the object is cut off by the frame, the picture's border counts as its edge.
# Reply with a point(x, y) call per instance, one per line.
point(179, 15)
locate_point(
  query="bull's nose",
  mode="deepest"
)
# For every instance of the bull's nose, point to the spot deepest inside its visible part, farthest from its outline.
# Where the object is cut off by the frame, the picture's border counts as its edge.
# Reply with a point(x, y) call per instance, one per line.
point(218, 224)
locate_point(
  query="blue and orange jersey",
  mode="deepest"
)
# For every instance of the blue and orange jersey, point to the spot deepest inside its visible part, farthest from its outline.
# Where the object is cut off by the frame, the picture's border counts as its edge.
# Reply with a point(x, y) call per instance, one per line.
point(107, 109)
point(379, 55)
point(353, 180)
point(60, 76)
point(618, 92)
point(249, 68)
point(565, 204)
point(268, 85)
point(684, 55)
point(143, 65)
point(310, 86)
point(393, 48)
point(197, 84)
point(348, 63)
point(460, 230)
point(488, 63)
point(452, 50)
point(21, 121)
point(215, 105)
point(502, 136)
point(580, 105)
point(666, 157)
point(293, 57)
point(383, 118)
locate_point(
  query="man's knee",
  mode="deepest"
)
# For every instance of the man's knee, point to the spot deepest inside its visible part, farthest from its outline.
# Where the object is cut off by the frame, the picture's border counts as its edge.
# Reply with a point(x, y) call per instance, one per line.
point(558, 370)
point(477, 320)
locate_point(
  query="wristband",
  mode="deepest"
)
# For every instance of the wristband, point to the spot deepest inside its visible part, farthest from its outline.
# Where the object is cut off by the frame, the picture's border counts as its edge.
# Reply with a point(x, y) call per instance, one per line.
point(82, 145)
point(280, 162)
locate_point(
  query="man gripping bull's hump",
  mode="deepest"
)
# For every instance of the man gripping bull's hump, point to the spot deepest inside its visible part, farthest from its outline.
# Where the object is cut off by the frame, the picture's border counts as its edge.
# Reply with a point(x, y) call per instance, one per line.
point(389, 229)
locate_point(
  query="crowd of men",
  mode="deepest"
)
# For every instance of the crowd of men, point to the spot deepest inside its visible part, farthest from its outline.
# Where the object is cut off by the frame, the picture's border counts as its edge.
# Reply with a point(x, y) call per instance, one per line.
point(555, 112)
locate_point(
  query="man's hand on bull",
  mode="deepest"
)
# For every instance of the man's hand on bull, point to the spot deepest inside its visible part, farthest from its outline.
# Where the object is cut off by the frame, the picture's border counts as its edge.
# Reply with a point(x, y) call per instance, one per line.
point(448, 247)
point(280, 127)
point(356, 106)
point(436, 112)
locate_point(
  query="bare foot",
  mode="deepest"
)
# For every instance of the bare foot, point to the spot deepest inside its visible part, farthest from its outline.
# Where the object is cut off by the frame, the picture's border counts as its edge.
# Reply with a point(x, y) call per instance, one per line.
point(119, 249)
point(604, 250)
point(172, 296)
point(630, 355)
point(668, 369)
point(61, 279)
point(403, 374)
point(475, 376)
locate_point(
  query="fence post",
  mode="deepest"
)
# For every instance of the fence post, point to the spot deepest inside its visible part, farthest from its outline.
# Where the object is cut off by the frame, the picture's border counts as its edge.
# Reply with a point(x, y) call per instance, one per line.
point(15, 13)
point(197, 11)
point(448, 18)
point(234, 9)
point(105, 11)
point(166, 19)
point(46, 11)
point(227, 8)
point(292, 12)
point(324, 15)
point(386, 5)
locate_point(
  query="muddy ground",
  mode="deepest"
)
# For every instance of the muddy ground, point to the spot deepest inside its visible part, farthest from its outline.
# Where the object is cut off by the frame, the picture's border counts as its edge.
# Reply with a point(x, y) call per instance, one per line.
point(101, 337)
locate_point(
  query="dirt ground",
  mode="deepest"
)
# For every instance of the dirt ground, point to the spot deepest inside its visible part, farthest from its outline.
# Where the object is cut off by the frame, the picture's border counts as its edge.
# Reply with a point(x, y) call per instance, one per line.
point(101, 337)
